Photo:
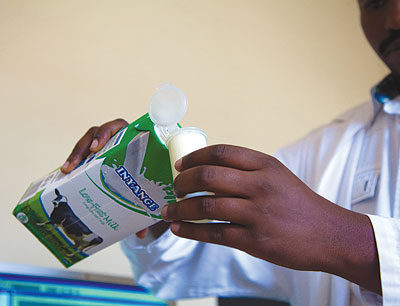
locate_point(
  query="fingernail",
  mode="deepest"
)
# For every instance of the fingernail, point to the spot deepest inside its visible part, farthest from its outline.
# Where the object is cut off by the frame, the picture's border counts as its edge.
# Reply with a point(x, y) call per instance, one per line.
point(175, 227)
point(178, 164)
point(65, 166)
point(94, 144)
point(164, 212)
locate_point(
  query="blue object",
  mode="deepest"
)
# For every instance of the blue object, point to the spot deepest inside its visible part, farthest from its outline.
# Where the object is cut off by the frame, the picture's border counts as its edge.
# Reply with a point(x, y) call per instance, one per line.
point(28, 290)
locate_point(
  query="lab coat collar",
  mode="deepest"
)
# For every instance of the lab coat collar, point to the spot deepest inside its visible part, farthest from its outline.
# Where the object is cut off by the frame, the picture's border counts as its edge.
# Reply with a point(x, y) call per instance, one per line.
point(386, 95)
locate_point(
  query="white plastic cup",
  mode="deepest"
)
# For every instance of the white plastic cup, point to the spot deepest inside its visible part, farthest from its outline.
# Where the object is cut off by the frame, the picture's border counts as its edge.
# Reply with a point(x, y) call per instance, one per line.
point(181, 142)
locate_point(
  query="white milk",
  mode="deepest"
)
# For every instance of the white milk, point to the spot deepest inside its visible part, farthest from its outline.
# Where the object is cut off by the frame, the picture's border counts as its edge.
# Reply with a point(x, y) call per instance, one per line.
point(182, 142)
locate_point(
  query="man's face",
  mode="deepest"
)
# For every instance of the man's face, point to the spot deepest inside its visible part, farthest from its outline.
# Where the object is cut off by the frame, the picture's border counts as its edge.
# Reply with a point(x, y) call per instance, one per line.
point(380, 20)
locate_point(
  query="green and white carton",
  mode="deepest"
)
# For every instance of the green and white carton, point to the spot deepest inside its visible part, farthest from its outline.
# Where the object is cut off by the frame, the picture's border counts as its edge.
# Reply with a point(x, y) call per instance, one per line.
point(114, 193)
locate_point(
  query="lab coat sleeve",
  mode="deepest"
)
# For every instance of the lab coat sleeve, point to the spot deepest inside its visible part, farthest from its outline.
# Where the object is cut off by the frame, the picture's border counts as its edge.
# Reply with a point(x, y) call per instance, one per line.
point(175, 268)
point(387, 237)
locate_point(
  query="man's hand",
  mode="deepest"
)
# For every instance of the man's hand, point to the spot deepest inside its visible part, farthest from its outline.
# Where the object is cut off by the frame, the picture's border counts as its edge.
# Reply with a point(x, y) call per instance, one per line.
point(93, 141)
point(271, 214)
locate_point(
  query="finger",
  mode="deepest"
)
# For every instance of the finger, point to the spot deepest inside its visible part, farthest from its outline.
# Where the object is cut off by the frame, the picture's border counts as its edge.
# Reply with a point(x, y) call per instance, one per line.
point(224, 155)
point(220, 180)
point(227, 234)
point(234, 210)
point(80, 151)
point(142, 234)
point(105, 132)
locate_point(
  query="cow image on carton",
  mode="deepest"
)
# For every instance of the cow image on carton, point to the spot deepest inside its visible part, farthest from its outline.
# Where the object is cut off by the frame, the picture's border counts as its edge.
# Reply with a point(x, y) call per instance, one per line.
point(63, 216)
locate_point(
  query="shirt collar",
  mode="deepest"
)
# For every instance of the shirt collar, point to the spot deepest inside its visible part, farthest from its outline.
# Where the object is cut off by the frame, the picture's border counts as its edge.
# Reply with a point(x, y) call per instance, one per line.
point(386, 95)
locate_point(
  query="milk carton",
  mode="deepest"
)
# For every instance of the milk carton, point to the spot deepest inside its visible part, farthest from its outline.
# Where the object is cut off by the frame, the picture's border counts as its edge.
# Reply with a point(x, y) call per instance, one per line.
point(114, 193)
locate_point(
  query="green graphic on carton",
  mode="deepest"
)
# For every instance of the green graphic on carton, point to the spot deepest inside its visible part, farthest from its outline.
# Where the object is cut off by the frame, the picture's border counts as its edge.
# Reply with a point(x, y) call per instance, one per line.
point(138, 170)
point(47, 234)
point(136, 209)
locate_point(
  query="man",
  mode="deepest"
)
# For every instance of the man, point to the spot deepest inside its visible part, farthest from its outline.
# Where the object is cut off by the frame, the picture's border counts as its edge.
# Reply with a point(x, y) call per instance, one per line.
point(336, 210)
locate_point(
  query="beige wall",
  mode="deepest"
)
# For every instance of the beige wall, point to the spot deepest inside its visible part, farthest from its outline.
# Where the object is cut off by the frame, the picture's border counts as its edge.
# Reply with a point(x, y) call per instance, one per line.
point(257, 73)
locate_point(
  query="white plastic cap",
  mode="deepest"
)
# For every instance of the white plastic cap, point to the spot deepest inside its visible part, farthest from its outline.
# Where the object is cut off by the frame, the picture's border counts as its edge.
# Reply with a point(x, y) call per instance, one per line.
point(167, 106)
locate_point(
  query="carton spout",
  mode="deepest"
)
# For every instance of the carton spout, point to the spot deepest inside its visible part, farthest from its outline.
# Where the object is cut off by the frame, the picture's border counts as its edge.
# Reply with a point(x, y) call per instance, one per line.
point(164, 132)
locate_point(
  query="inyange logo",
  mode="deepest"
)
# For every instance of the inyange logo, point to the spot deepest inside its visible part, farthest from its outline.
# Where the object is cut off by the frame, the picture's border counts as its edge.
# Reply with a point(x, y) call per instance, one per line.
point(136, 189)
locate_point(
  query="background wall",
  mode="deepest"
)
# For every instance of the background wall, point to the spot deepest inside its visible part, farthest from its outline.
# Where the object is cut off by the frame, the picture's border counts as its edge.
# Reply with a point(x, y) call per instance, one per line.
point(257, 73)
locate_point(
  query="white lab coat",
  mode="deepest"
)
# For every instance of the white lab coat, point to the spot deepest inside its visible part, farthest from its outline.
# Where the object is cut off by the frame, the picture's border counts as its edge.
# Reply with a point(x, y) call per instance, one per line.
point(326, 160)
